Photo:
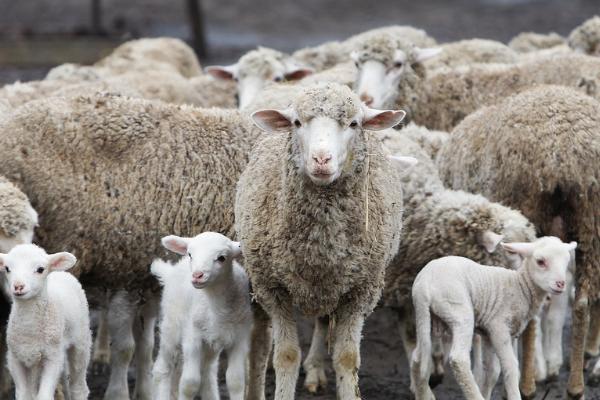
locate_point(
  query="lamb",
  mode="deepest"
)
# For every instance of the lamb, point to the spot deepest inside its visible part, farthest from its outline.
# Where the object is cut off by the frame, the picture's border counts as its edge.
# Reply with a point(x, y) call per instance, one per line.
point(526, 42)
point(48, 332)
point(333, 178)
point(206, 309)
point(107, 181)
point(464, 295)
point(586, 37)
point(553, 131)
point(465, 52)
point(257, 68)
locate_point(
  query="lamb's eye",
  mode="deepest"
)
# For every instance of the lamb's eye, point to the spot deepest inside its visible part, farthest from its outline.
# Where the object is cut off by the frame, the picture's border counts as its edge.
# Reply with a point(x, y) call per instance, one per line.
point(221, 259)
point(398, 64)
point(40, 270)
point(7, 270)
point(297, 123)
point(278, 79)
point(190, 255)
point(353, 124)
point(541, 262)
point(356, 64)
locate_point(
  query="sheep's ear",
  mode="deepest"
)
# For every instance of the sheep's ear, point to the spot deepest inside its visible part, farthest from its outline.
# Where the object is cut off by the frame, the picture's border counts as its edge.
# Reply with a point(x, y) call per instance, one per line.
point(523, 249)
point(490, 241)
point(176, 244)
point(376, 120)
point(227, 72)
point(425, 54)
point(571, 246)
point(61, 261)
point(2, 262)
point(236, 249)
point(272, 120)
point(355, 56)
point(294, 71)
point(403, 162)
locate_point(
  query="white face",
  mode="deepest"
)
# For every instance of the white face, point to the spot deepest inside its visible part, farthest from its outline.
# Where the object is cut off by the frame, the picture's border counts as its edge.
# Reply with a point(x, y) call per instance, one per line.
point(210, 255)
point(325, 143)
point(28, 266)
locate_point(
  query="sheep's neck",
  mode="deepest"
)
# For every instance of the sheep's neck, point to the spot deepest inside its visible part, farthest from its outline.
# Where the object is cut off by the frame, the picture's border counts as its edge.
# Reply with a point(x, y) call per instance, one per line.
point(222, 293)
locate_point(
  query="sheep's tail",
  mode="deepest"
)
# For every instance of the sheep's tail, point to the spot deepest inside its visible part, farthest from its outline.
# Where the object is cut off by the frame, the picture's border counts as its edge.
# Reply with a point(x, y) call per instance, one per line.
point(423, 349)
point(161, 270)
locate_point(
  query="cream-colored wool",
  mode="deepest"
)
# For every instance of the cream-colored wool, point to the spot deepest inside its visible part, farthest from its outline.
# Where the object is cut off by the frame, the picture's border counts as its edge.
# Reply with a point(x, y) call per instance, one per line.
point(430, 140)
point(471, 51)
point(211, 92)
point(102, 169)
point(343, 73)
point(16, 213)
point(414, 36)
point(323, 56)
point(526, 42)
point(262, 62)
point(586, 37)
point(76, 73)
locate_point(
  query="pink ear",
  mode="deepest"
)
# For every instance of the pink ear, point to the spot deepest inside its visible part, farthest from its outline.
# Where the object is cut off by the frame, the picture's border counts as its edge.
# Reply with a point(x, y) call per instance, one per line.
point(490, 240)
point(219, 72)
point(523, 249)
point(376, 120)
point(236, 249)
point(176, 244)
point(272, 120)
point(298, 74)
point(61, 261)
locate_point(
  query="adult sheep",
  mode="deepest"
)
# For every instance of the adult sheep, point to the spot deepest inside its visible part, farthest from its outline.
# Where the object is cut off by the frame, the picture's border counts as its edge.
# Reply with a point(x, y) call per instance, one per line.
point(102, 169)
point(318, 212)
point(539, 152)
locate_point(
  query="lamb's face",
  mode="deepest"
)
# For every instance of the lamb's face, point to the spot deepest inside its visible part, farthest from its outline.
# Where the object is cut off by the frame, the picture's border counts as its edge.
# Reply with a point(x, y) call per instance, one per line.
point(257, 69)
point(547, 260)
point(27, 267)
point(380, 73)
point(326, 120)
point(210, 255)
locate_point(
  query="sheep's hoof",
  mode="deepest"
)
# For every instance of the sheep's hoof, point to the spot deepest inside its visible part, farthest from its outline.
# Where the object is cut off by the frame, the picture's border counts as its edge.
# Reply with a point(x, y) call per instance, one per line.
point(435, 379)
point(315, 379)
point(577, 396)
point(528, 396)
point(593, 380)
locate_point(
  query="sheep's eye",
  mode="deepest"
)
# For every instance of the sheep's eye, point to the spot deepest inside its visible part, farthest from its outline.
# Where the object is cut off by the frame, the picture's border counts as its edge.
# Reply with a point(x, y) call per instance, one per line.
point(297, 123)
point(40, 270)
point(221, 259)
point(541, 262)
point(353, 124)
point(7, 270)
point(278, 79)
point(356, 64)
point(398, 64)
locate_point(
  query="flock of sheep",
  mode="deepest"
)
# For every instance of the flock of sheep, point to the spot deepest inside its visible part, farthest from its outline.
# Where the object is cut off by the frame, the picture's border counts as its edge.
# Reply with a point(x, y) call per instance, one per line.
point(337, 208)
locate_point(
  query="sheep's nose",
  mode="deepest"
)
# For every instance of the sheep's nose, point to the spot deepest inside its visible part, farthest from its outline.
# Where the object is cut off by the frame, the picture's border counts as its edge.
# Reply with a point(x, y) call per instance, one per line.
point(18, 287)
point(322, 160)
point(197, 275)
point(366, 99)
point(560, 284)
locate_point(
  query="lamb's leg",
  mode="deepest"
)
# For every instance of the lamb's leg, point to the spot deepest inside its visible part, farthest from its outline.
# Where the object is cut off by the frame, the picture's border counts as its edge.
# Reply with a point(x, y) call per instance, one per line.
point(121, 315)
point(491, 366)
point(407, 337)
point(209, 387)
point(286, 358)
point(460, 357)
point(79, 358)
point(314, 363)
point(527, 384)
point(50, 375)
point(502, 342)
point(20, 377)
point(575, 386)
point(477, 359)
point(348, 327)
point(164, 373)
point(235, 375)
point(553, 332)
point(260, 349)
point(191, 374)
point(143, 333)
point(541, 370)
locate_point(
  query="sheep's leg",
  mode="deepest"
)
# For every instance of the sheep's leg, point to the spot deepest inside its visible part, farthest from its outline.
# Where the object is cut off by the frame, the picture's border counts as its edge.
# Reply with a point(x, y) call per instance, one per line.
point(260, 349)
point(50, 375)
point(314, 363)
point(553, 332)
point(527, 384)
point(541, 371)
point(477, 359)
point(101, 352)
point(5, 380)
point(502, 343)
point(143, 333)
point(209, 387)
point(460, 357)
point(592, 344)
point(21, 378)
point(121, 315)
point(286, 358)
point(79, 359)
point(491, 366)
point(235, 375)
point(346, 352)
point(164, 373)
point(191, 374)
point(438, 359)
point(575, 386)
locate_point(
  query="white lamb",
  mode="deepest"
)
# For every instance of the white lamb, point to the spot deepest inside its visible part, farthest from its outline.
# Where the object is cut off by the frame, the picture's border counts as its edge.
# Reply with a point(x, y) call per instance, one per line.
point(205, 310)
point(48, 333)
point(463, 295)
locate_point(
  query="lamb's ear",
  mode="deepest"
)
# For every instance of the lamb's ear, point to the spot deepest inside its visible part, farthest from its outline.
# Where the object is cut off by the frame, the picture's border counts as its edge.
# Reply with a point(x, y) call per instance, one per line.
point(2, 262)
point(295, 71)
point(403, 162)
point(176, 244)
point(226, 72)
point(236, 249)
point(376, 120)
point(490, 240)
point(571, 246)
point(61, 261)
point(425, 54)
point(273, 120)
point(523, 249)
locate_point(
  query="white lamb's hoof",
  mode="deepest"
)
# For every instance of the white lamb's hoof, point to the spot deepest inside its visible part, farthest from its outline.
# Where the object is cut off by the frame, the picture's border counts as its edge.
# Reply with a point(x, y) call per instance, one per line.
point(315, 379)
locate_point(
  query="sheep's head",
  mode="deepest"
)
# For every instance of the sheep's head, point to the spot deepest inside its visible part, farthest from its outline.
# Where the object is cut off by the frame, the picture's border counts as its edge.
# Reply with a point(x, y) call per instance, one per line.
point(210, 255)
point(382, 62)
point(586, 37)
point(256, 69)
point(547, 260)
point(27, 267)
point(325, 119)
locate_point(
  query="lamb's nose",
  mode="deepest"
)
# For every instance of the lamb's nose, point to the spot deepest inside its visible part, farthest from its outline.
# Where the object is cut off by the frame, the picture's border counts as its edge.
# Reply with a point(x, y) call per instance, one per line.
point(366, 99)
point(560, 284)
point(322, 160)
point(197, 275)
point(19, 287)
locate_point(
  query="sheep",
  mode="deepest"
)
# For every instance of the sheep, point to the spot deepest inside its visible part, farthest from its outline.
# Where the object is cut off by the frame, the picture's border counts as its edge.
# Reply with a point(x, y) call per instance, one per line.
point(462, 295)
point(553, 131)
point(333, 178)
point(206, 309)
point(75, 73)
point(257, 68)
point(90, 163)
point(526, 42)
point(323, 56)
point(415, 36)
point(586, 37)
point(429, 140)
point(48, 333)
point(144, 55)
point(465, 52)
